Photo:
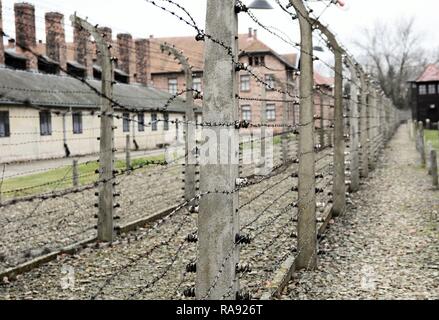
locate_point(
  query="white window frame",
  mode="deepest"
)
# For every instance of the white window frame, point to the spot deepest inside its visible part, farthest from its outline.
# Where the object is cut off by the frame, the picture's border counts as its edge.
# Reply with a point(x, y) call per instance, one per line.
point(246, 110)
point(196, 84)
point(245, 84)
point(270, 111)
point(173, 85)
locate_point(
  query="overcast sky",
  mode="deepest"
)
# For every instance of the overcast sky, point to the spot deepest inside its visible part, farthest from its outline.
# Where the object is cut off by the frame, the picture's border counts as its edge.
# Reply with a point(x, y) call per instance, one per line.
point(142, 19)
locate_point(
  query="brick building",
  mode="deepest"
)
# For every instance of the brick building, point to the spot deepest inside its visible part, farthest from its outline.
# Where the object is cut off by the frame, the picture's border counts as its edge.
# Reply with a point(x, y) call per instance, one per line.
point(276, 70)
point(46, 114)
point(145, 76)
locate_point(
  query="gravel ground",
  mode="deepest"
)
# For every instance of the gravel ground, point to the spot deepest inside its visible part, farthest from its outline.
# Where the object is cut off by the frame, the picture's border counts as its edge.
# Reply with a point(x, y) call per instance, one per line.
point(150, 263)
point(32, 229)
point(387, 244)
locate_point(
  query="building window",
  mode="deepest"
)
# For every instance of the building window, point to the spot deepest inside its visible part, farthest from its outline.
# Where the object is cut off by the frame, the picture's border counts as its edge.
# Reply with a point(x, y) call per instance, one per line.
point(431, 89)
point(246, 113)
point(154, 122)
point(126, 122)
point(77, 122)
point(196, 85)
point(141, 121)
point(256, 61)
point(422, 89)
point(245, 83)
point(269, 79)
point(271, 112)
point(172, 86)
point(166, 122)
point(45, 123)
point(4, 124)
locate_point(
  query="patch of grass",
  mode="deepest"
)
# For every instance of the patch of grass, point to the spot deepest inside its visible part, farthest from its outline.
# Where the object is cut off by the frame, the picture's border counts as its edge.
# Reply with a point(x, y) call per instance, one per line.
point(257, 142)
point(433, 137)
point(61, 178)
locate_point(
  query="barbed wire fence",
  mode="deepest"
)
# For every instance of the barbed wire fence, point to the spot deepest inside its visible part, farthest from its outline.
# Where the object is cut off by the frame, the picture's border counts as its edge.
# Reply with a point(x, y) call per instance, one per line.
point(223, 229)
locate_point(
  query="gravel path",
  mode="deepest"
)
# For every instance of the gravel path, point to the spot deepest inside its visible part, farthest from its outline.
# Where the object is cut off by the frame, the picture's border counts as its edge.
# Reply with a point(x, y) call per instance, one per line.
point(387, 244)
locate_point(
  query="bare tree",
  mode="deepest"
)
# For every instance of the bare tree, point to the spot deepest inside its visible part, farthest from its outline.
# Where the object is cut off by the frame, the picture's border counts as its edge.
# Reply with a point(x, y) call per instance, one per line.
point(394, 54)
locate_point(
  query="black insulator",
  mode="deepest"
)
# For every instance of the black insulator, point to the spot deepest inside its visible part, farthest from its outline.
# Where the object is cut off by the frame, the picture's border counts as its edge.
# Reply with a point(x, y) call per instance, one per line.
point(243, 295)
point(193, 238)
point(242, 268)
point(189, 293)
point(242, 239)
point(191, 267)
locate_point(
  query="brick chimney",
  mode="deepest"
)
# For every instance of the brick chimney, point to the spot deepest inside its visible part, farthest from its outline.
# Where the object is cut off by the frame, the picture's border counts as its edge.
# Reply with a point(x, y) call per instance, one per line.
point(56, 48)
point(250, 32)
point(255, 34)
point(143, 66)
point(2, 46)
point(25, 32)
point(81, 40)
point(124, 44)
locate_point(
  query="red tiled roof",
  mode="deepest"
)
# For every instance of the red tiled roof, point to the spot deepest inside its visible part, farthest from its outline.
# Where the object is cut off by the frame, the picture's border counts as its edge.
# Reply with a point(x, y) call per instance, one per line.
point(194, 50)
point(322, 80)
point(431, 73)
point(291, 58)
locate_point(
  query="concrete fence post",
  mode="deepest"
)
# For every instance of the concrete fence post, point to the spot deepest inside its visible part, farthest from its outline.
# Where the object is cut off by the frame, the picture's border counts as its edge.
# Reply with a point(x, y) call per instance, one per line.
point(75, 178)
point(421, 144)
point(339, 187)
point(372, 126)
point(285, 134)
point(434, 173)
point(428, 149)
point(363, 127)
point(218, 218)
point(128, 154)
point(306, 225)
point(354, 128)
point(189, 125)
point(106, 156)
point(322, 120)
